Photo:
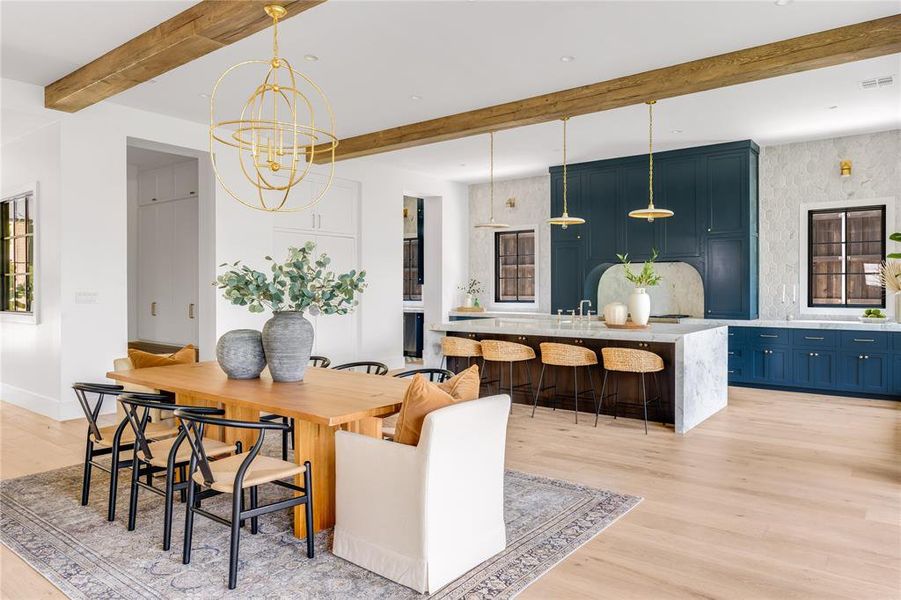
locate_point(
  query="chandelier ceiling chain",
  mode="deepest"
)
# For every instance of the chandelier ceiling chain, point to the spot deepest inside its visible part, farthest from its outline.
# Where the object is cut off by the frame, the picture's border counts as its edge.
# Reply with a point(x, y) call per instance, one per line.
point(491, 224)
point(565, 220)
point(274, 154)
point(651, 212)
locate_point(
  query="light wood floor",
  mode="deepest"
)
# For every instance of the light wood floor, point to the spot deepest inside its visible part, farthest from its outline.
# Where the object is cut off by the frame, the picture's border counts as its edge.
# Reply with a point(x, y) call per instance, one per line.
point(779, 496)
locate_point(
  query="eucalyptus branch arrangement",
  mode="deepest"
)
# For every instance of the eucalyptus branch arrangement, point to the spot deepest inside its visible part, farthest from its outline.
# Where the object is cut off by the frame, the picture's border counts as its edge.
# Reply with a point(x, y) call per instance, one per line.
point(473, 287)
point(299, 283)
point(648, 277)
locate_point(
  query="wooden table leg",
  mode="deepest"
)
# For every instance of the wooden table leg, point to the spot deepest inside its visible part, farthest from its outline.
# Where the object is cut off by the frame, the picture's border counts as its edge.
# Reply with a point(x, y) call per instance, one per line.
point(247, 437)
point(211, 432)
point(316, 443)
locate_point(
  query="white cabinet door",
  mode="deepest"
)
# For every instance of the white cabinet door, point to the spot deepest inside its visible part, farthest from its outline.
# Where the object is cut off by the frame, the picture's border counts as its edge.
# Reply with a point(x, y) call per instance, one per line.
point(185, 176)
point(146, 187)
point(184, 272)
point(147, 272)
point(337, 210)
point(337, 335)
point(165, 183)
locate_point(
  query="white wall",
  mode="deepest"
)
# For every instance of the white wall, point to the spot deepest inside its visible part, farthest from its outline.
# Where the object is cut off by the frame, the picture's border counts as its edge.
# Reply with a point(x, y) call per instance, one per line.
point(87, 187)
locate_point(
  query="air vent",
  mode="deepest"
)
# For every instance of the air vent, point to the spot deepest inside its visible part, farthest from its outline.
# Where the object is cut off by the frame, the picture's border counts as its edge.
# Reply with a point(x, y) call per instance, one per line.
point(877, 82)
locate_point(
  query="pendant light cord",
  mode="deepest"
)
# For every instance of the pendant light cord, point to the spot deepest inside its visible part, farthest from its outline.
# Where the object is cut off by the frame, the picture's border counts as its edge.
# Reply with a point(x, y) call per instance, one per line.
point(651, 154)
point(565, 212)
point(491, 176)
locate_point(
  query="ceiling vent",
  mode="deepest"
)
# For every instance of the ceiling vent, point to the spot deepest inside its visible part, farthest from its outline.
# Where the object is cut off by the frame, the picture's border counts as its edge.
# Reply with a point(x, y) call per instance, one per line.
point(877, 82)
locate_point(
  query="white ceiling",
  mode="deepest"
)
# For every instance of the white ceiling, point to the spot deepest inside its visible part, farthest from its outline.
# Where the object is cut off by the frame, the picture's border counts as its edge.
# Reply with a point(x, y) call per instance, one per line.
point(461, 55)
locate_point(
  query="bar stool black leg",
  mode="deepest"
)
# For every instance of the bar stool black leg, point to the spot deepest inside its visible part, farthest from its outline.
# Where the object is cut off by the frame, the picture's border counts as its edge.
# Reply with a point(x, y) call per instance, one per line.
point(538, 391)
point(615, 394)
point(528, 370)
point(659, 400)
point(511, 386)
point(113, 482)
point(597, 407)
point(644, 404)
point(86, 477)
point(576, 393)
point(594, 395)
point(182, 476)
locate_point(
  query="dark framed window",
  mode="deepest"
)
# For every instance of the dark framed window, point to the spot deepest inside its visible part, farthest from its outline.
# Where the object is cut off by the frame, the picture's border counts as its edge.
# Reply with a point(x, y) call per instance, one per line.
point(845, 248)
point(412, 270)
point(514, 273)
point(17, 253)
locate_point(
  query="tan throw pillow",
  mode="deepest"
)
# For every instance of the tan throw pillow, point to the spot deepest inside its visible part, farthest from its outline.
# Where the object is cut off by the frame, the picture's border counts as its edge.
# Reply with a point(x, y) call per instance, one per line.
point(422, 397)
point(464, 385)
point(143, 360)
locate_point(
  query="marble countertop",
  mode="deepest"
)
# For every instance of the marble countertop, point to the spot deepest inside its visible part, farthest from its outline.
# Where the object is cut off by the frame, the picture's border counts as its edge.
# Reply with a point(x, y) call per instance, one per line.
point(565, 328)
point(790, 324)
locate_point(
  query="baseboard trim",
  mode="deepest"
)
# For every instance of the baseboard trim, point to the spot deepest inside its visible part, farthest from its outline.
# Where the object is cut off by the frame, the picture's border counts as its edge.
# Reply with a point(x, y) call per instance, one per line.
point(47, 406)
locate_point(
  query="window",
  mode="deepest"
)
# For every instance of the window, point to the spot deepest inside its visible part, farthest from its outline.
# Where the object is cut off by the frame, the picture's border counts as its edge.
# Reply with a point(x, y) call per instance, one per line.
point(17, 249)
point(845, 249)
point(514, 253)
point(412, 272)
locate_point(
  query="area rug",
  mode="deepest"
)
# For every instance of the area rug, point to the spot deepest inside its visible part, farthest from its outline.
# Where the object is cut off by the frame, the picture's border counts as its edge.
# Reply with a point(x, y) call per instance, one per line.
point(85, 556)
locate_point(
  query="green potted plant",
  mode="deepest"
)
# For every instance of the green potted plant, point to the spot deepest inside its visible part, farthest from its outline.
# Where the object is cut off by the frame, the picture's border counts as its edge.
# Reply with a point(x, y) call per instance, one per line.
point(472, 288)
point(301, 283)
point(639, 301)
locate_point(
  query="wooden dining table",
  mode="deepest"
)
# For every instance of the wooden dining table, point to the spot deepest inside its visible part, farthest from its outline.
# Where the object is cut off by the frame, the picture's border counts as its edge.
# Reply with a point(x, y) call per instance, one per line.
point(324, 402)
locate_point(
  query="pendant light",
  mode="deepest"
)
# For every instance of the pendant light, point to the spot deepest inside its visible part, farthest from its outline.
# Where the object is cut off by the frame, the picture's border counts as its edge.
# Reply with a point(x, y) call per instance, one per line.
point(565, 220)
point(651, 212)
point(491, 224)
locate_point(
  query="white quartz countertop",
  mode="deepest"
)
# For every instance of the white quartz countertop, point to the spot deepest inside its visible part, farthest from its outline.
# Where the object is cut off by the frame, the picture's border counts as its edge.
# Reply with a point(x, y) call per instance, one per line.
point(566, 328)
point(790, 324)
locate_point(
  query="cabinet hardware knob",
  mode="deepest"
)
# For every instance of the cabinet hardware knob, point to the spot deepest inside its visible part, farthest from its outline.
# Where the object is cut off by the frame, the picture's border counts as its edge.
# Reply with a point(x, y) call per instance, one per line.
point(809, 337)
point(816, 353)
point(810, 354)
point(192, 193)
point(865, 357)
point(860, 357)
point(709, 229)
point(153, 309)
point(191, 311)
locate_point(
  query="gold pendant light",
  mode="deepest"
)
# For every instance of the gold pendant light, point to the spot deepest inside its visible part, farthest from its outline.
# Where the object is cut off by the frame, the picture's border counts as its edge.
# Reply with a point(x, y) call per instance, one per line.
point(565, 220)
point(274, 151)
point(491, 223)
point(651, 212)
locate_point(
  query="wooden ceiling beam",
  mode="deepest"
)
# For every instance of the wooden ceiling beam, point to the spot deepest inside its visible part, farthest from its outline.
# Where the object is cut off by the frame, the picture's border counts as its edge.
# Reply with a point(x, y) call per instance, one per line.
point(824, 49)
point(199, 30)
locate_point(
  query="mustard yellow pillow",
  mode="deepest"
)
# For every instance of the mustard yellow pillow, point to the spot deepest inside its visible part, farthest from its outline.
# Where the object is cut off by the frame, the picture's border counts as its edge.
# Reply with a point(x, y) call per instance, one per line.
point(143, 360)
point(464, 385)
point(422, 397)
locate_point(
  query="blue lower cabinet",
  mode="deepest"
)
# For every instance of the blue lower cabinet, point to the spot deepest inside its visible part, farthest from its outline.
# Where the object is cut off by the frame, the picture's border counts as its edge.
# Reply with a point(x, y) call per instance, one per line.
point(867, 373)
point(771, 365)
point(814, 368)
point(896, 373)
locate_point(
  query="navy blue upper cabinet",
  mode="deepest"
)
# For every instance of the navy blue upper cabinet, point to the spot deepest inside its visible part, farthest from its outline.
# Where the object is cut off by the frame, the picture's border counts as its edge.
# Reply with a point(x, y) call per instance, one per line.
point(711, 189)
point(678, 185)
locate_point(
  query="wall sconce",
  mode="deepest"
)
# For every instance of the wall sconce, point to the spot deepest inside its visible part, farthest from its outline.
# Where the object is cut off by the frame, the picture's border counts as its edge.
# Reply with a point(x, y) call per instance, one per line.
point(406, 212)
point(511, 202)
point(845, 167)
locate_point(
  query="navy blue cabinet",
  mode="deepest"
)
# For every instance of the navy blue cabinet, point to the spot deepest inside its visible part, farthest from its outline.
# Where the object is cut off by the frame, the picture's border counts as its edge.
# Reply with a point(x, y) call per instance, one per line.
point(713, 193)
point(844, 362)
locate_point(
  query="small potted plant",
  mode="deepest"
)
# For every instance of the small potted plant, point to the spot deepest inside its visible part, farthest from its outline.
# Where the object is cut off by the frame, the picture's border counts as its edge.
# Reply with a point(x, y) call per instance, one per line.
point(639, 301)
point(300, 283)
point(470, 291)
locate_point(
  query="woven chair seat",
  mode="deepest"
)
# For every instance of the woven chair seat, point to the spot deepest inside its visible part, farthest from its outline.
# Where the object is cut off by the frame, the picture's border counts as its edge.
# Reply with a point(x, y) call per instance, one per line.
point(160, 451)
point(263, 469)
point(631, 361)
point(153, 431)
point(499, 351)
point(460, 347)
point(567, 355)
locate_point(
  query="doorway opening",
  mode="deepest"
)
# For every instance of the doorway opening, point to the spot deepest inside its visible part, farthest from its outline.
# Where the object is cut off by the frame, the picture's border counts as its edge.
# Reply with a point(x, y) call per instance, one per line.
point(414, 276)
point(164, 240)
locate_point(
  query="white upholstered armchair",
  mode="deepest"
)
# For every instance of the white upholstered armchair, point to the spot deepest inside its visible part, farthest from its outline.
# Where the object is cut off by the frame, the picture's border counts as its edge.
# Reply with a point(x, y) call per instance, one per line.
point(424, 515)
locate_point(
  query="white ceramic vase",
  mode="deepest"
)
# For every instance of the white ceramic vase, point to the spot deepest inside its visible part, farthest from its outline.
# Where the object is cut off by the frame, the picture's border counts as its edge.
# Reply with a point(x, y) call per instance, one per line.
point(469, 300)
point(640, 306)
point(616, 313)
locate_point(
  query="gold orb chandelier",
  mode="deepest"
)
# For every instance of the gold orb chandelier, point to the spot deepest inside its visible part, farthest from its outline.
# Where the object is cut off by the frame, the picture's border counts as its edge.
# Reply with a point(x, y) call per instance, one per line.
point(276, 139)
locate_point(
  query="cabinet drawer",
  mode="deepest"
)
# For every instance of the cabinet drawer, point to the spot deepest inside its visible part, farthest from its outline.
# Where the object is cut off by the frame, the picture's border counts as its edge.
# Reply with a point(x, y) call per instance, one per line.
point(814, 338)
point(738, 353)
point(865, 340)
point(737, 372)
point(897, 338)
point(769, 336)
point(737, 336)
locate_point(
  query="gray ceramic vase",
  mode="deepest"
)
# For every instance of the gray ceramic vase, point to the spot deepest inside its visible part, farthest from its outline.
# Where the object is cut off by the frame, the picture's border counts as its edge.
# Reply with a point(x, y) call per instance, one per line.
point(288, 342)
point(240, 353)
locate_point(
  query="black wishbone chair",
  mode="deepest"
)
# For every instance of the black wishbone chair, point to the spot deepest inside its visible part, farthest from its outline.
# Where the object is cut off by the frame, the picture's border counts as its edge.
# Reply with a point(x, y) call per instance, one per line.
point(320, 361)
point(166, 455)
point(434, 375)
point(110, 440)
point(232, 475)
point(372, 367)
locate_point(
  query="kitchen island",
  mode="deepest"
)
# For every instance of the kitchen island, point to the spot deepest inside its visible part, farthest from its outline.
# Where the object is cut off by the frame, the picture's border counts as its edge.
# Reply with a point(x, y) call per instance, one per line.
point(694, 381)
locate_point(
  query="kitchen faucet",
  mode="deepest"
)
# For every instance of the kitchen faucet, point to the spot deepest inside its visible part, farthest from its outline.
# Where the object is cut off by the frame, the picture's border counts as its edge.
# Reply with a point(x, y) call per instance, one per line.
point(580, 308)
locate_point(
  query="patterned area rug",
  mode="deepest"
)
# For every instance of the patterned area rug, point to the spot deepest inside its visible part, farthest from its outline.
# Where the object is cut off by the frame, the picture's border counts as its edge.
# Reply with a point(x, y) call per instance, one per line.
point(74, 547)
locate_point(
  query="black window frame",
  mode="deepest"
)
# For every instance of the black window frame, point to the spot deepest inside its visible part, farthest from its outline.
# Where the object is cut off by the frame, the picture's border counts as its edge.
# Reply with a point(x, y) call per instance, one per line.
point(844, 243)
point(497, 266)
point(7, 262)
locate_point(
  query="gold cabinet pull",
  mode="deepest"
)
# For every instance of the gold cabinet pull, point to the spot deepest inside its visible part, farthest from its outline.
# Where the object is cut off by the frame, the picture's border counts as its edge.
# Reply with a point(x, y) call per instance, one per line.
point(191, 311)
point(153, 309)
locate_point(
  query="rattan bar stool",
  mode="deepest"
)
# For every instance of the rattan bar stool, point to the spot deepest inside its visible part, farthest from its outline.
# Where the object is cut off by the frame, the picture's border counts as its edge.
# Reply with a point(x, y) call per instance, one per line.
point(496, 351)
point(567, 356)
point(458, 347)
point(627, 360)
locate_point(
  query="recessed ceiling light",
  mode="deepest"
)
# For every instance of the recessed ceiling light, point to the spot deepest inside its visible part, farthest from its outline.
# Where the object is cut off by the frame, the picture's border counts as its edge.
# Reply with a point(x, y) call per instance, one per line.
point(678, 130)
point(782, 2)
point(567, 58)
point(462, 164)
point(833, 107)
point(204, 96)
point(414, 97)
point(310, 57)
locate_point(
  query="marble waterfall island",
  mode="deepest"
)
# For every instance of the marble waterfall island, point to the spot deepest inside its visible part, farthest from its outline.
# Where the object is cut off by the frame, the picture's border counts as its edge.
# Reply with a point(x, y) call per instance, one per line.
point(693, 383)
